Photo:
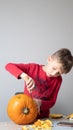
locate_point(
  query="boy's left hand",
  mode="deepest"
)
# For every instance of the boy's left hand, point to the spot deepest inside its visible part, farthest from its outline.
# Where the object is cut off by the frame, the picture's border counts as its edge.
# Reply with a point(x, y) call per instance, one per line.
point(38, 102)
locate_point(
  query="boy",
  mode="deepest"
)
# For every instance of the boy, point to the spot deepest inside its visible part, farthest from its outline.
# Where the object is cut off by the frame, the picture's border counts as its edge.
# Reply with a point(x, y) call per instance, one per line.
point(42, 82)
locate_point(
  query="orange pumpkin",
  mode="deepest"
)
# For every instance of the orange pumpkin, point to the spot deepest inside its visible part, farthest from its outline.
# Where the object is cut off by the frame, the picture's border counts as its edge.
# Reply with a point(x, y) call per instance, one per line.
point(22, 109)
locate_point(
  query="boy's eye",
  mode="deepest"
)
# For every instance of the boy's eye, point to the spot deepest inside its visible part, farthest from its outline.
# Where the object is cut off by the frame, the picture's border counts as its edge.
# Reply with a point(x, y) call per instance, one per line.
point(53, 68)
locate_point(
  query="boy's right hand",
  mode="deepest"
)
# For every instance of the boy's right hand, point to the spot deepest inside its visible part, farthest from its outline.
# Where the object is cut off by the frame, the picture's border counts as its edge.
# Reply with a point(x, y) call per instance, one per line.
point(29, 82)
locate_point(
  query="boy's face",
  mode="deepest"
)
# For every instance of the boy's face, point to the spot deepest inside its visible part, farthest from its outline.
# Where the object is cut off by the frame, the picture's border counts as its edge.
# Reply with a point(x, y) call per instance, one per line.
point(53, 68)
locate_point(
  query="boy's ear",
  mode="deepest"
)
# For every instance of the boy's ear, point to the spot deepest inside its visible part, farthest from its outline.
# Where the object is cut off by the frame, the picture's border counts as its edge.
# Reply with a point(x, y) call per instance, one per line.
point(49, 59)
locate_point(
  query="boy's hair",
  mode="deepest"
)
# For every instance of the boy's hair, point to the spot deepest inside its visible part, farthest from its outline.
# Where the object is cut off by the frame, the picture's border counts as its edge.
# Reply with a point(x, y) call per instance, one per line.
point(64, 57)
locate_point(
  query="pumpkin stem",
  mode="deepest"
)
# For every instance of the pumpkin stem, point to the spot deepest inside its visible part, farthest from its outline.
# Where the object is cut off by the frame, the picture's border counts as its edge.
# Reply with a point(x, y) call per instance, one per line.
point(25, 110)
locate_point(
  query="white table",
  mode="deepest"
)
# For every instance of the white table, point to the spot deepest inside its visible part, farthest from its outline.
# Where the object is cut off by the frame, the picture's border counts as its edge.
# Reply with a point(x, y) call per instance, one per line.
point(12, 126)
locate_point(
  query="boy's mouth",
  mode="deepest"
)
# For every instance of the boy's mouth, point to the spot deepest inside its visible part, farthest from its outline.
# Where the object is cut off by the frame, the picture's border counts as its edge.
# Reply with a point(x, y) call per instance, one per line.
point(50, 75)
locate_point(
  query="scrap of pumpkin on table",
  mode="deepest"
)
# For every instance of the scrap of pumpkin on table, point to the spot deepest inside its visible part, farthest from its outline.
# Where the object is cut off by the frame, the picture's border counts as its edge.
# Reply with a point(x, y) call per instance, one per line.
point(39, 125)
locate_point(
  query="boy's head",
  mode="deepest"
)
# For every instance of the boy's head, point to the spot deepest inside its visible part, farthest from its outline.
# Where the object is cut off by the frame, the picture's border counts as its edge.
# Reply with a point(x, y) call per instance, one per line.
point(65, 58)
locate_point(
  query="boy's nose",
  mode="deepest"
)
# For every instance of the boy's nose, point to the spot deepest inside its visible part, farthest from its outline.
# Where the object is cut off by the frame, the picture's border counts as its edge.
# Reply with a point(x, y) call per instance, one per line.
point(56, 73)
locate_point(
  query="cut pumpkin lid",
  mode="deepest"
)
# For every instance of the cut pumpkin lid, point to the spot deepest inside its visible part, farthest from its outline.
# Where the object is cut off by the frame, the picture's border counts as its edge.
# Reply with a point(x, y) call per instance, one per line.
point(56, 115)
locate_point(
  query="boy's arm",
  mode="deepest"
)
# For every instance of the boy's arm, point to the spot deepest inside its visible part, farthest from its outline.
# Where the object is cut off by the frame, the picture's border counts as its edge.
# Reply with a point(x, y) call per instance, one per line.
point(24, 76)
point(47, 104)
point(15, 69)
point(19, 71)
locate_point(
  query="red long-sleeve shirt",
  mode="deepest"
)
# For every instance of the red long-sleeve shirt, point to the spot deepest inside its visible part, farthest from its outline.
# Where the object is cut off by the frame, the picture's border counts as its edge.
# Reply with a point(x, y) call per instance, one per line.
point(47, 88)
